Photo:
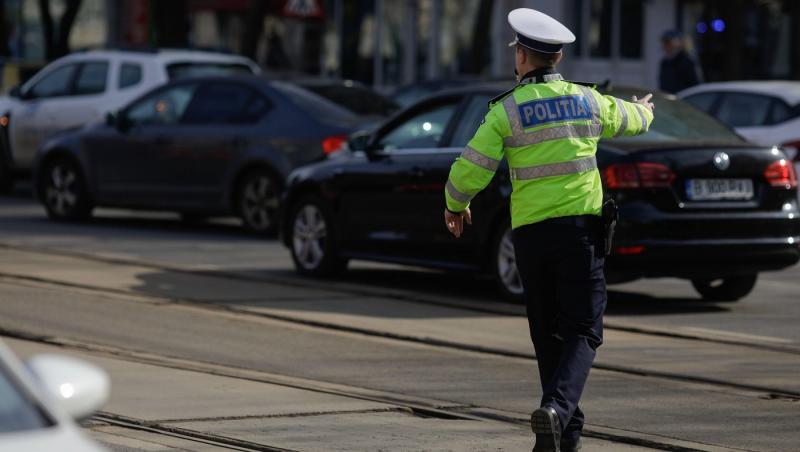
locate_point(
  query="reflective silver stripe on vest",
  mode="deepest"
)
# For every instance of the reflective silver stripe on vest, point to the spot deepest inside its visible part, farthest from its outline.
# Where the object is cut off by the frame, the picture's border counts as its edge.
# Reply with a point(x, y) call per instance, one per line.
point(455, 194)
point(554, 169)
point(471, 155)
point(642, 116)
point(624, 125)
point(521, 138)
point(512, 112)
point(554, 133)
point(593, 105)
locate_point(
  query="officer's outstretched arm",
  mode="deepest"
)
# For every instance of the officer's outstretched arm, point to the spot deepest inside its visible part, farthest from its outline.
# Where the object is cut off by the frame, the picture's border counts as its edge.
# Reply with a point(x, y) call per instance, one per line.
point(476, 166)
point(623, 118)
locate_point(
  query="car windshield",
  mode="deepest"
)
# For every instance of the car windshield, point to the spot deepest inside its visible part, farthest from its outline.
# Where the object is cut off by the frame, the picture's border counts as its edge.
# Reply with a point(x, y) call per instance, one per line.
point(182, 70)
point(677, 121)
point(318, 107)
point(17, 411)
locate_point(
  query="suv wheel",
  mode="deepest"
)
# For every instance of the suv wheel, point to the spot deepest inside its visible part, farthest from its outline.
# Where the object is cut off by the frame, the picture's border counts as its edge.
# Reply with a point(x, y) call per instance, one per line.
point(504, 266)
point(258, 200)
point(725, 289)
point(312, 243)
point(63, 191)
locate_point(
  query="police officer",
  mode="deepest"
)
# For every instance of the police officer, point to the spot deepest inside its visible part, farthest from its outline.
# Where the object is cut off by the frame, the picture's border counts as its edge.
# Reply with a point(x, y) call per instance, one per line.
point(548, 129)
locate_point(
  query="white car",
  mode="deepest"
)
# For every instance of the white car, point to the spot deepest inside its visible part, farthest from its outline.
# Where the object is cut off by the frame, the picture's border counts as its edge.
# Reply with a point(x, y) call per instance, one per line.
point(83, 87)
point(765, 112)
point(41, 399)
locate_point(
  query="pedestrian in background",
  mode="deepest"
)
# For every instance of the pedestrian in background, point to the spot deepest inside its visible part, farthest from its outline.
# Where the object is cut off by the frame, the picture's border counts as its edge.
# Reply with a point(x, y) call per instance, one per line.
point(548, 128)
point(679, 70)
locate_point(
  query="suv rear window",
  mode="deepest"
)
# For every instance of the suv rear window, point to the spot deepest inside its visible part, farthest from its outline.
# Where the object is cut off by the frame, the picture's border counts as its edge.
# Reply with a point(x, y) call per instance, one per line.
point(129, 74)
point(182, 70)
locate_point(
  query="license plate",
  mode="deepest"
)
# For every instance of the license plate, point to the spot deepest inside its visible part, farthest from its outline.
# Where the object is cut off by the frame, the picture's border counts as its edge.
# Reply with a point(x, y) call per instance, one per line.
point(719, 189)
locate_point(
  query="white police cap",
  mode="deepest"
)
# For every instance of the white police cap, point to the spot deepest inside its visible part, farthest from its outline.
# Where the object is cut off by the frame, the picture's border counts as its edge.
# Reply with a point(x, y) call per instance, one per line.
point(538, 31)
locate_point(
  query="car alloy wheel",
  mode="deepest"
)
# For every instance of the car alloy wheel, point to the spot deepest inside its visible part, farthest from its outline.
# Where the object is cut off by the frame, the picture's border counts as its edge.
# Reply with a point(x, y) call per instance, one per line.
point(309, 236)
point(259, 203)
point(506, 267)
point(313, 240)
point(64, 193)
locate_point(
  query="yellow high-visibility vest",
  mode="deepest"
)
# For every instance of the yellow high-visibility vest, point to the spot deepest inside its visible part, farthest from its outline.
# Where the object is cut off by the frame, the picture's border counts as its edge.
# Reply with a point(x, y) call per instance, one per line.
point(548, 132)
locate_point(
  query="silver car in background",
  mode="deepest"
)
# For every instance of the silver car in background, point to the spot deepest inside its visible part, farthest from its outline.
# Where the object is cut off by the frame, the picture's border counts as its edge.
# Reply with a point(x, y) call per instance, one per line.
point(81, 88)
point(41, 399)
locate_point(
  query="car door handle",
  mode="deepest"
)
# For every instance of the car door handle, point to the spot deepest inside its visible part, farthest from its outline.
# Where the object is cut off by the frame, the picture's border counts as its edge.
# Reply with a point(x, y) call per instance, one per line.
point(163, 141)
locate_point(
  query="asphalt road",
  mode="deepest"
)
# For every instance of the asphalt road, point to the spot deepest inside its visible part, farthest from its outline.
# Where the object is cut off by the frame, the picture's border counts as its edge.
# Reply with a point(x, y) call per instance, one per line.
point(674, 372)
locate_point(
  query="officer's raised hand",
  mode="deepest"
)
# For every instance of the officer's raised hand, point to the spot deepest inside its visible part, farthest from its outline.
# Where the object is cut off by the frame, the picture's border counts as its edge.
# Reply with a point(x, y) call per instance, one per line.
point(455, 221)
point(645, 101)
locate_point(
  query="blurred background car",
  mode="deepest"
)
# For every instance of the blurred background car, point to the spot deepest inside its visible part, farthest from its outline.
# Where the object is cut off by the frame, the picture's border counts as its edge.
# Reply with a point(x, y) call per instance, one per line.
point(82, 87)
point(41, 400)
point(696, 201)
point(371, 106)
point(207, 146)
point(764, 112)
point(410, 94)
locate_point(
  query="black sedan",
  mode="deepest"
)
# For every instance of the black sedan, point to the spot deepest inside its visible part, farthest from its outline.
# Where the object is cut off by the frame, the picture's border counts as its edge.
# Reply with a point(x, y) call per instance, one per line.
point(202, 147)
point(697, 202)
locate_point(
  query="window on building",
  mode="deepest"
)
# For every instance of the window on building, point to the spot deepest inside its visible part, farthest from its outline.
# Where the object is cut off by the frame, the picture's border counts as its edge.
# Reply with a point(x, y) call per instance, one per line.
point(600, 15)
point(631, 18)
point(92, 78)
point(130, 74)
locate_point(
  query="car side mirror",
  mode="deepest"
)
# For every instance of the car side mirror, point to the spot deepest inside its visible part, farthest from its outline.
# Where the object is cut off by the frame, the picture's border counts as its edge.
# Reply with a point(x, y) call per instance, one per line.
point(111, 119)
point(359, 141)
point(16, 92)
point(121, 121)
point(78, 387)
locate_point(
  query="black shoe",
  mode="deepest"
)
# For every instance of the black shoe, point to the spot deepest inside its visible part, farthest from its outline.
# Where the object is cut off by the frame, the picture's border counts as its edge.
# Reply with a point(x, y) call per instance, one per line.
point(570, 446)
point(547, 427)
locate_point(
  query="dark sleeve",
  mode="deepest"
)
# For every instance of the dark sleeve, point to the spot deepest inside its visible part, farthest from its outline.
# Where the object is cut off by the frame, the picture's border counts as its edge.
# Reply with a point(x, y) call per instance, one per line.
point(689, 72)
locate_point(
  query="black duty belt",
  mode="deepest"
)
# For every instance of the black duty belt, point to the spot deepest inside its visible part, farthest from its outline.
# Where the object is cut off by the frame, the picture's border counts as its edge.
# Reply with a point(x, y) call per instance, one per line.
point(582, 221)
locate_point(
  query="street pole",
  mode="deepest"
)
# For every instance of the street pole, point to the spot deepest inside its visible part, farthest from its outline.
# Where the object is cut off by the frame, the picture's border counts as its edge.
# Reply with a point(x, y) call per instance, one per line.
point(113, 32)
point(433, 40)
point(410, 42)
point(377, 51)
point(338, 12)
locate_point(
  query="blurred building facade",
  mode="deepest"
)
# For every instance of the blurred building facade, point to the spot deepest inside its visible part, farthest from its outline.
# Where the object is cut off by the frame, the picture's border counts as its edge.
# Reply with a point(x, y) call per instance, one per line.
point(394, 42)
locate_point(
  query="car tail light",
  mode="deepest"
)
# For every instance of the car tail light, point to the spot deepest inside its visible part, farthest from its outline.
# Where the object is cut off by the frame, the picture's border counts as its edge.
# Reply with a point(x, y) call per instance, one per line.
point(4, 120)
point(629, 250)
point(781, 174)
point(333, 144)
point(638, 175)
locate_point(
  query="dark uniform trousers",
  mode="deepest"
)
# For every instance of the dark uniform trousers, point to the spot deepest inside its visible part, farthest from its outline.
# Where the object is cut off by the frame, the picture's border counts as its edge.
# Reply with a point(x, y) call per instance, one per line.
point(560, 262)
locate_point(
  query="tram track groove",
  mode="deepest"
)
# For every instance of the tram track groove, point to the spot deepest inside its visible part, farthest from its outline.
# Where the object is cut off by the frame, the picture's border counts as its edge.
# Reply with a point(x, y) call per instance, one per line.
point(349, 289)
point(763, 392)
point(225, 442)
point(417, 406)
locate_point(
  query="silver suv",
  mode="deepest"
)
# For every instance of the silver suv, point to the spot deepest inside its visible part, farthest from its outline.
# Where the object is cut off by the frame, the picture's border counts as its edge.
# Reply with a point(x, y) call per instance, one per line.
point(83, 87)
